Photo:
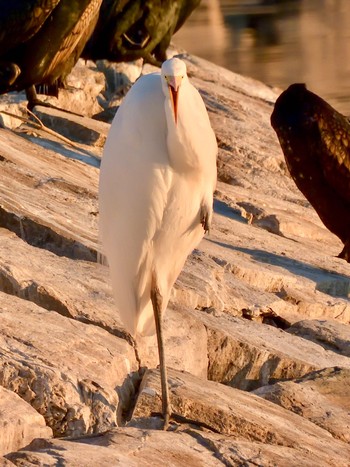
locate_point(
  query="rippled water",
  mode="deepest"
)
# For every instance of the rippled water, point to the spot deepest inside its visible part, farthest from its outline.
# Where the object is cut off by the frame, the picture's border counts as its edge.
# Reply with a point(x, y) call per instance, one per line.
point(295, 41)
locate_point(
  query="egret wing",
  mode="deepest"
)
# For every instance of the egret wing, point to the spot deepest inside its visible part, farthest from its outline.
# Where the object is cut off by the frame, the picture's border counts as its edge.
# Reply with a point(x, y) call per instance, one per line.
point(133, 186)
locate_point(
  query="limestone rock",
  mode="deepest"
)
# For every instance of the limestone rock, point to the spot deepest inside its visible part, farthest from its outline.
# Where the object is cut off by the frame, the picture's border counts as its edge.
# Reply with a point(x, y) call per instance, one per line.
point(33, 179)
point(321, 396)
point(12, 105)
point(185, 341)
point(273, 267)
point(128, 447)
point(81, 95)
point(61, 287)
point(245, 354)
point(119, 76)
point(153, 448)
point(19, 423)
point(68, 371)
point(229, 273)
point(75, 127)
point(328, 333)
point(5, 462)
point(83, 89)
point(241, 415)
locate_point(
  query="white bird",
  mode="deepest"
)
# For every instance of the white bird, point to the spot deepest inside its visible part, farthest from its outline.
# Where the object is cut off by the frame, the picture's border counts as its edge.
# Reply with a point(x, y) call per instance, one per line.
point(157, 178)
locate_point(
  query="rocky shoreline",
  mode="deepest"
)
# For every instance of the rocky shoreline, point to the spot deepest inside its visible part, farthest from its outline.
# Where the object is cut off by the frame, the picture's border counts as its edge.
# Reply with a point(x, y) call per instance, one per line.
point(257, 331)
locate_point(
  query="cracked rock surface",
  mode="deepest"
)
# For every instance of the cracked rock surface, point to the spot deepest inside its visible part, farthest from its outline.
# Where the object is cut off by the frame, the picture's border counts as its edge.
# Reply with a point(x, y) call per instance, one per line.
point(257, 328)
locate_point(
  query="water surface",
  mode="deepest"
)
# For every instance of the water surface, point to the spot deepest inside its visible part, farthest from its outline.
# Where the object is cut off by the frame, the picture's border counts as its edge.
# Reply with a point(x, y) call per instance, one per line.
point(291, 41)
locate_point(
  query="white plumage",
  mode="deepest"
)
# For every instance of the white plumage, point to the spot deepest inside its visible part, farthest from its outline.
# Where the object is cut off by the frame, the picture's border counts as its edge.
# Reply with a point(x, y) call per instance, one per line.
point(158, 174)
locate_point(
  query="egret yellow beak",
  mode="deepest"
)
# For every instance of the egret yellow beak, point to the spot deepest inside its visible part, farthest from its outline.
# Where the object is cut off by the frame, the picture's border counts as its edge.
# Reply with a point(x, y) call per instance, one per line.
point(174, 85)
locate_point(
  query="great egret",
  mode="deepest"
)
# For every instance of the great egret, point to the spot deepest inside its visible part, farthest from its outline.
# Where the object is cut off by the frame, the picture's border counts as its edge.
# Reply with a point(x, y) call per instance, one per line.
point(158, 174)
point(315, 139)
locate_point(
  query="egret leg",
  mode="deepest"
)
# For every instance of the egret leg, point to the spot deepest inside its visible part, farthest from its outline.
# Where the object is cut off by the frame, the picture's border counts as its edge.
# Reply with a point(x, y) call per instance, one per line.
point(157, 299)
point(205, 217)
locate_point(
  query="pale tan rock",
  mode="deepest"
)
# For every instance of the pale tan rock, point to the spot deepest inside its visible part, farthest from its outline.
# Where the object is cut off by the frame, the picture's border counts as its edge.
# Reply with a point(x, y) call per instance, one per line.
point(12, 105)
point(328, 333)
point(68, 371)
point(255, 268)
point(73, 288)
point(48, 199)
point(185, 342)
point(155, 448)
point(49, 453)
point(19, 423)
point(322, 397)
point(5, 462)
point(81, 96)
point(82, 90)
point(239, 414)
point(246, 354)
point(119, 76)
point(80, 129)
point(124, 447)
point(244, 269)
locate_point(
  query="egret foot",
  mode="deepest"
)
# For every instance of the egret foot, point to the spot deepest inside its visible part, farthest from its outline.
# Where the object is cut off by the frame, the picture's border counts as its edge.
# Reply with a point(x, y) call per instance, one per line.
point(157, 300)
point(205, 216)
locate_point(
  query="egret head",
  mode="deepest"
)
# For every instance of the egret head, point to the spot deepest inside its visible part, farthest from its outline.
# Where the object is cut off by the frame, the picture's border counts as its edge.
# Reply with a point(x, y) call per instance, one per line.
point(173, 73)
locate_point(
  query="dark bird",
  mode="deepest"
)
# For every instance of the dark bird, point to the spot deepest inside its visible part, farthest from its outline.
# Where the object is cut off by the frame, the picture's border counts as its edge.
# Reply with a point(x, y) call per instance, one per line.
point(131, 29)
point(41, 40)
point(315, 140)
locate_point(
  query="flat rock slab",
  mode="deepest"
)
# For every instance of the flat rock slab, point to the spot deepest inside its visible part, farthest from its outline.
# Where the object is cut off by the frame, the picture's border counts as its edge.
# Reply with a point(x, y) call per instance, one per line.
point(185, 447)
point(246, 354)
point(73, 288)
point(289, 276)
point(125, 447)
point(247, 270)
point(75, 127)
point(46, 198)
point(68, 371)
point(19, 423)
point(321, 396)
point(186, 343)
point(239, 414)
point(330, 334)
